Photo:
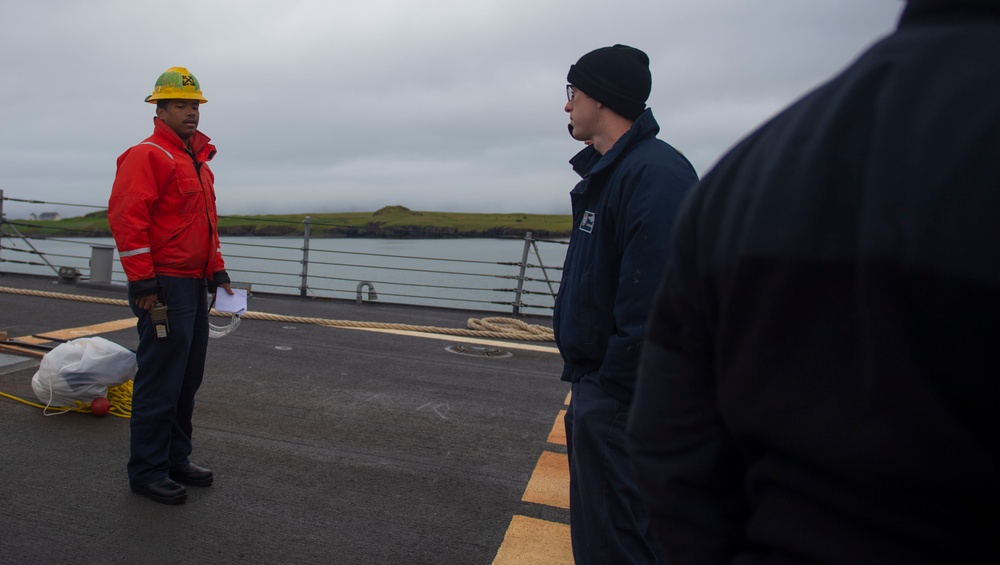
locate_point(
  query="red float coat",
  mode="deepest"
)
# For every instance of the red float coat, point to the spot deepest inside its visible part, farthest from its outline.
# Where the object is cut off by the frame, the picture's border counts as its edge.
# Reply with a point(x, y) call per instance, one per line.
point(162, 209)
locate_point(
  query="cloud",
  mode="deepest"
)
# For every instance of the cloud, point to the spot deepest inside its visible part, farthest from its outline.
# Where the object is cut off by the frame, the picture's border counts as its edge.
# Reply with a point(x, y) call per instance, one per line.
point(451, 105)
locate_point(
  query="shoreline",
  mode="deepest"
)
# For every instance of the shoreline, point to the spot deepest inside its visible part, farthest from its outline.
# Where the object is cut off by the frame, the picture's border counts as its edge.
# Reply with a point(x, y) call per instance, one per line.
point(390, 222)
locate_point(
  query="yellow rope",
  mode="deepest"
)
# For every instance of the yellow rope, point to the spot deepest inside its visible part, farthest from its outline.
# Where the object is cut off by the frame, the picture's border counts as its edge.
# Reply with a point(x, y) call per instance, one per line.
point(119, 400)
point(500, 328)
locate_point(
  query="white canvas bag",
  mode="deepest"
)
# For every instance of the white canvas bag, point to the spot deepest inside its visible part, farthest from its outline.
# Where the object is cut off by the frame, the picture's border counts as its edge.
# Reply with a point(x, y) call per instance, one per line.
point(80, 371)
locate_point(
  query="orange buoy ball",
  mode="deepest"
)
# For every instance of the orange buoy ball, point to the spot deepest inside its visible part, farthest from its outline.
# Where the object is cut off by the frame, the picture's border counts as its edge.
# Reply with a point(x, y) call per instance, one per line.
point(100, 406)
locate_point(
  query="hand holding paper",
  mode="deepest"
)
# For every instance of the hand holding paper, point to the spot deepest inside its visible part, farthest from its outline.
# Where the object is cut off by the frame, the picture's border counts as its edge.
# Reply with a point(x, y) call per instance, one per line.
point(233, 304)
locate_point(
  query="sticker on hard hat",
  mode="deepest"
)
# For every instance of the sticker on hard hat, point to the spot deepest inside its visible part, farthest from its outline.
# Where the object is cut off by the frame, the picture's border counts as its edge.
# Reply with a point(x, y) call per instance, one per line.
point(176, 82)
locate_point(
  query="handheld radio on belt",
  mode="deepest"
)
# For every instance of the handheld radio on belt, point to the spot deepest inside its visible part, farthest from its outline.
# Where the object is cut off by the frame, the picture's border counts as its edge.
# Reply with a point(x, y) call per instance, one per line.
point(158, 313)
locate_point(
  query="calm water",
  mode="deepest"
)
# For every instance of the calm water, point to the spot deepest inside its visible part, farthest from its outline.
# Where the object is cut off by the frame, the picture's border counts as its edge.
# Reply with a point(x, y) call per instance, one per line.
point(453, 273)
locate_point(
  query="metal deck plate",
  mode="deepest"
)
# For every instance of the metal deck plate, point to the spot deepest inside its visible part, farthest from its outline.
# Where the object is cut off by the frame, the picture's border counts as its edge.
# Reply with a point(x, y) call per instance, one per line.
point(12, 363)
point(478, 351)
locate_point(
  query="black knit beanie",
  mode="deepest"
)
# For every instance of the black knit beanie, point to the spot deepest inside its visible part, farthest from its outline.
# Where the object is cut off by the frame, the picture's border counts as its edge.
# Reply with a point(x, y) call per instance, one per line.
point(616, 76)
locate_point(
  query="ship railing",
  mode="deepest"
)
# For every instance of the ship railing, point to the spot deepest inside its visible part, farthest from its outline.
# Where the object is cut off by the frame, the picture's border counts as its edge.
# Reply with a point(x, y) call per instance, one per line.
point(524, 286)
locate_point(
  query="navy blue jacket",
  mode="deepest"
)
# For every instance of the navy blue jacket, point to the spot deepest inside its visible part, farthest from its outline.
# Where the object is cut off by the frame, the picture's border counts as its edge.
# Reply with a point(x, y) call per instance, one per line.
point(821, 373)
point(623, 212)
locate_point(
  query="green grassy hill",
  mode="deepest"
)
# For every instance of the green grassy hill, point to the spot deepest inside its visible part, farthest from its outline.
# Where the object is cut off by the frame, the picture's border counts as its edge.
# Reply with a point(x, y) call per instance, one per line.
point(389, 222)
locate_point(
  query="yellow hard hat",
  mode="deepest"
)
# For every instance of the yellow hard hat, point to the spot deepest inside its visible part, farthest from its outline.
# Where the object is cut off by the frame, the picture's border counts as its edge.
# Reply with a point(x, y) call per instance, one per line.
point(176, 83)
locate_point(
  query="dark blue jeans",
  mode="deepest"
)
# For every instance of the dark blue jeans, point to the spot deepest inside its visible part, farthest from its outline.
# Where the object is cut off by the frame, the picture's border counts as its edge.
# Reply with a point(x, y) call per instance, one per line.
point(170, 373)
point(608, 523)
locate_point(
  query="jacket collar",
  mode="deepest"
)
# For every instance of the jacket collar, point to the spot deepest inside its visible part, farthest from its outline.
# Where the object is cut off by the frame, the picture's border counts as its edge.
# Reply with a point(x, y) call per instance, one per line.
point(585, 160)
point(643, 127)
point(203, 150)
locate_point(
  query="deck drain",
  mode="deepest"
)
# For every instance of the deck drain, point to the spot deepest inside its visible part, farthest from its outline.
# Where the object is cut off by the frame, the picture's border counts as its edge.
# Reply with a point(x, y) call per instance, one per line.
point(478, 351)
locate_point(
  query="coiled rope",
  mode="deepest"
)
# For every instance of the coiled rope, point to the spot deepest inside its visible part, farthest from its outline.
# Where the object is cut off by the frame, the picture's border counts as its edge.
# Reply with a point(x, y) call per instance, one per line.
point(499, 327)
point(119, 402)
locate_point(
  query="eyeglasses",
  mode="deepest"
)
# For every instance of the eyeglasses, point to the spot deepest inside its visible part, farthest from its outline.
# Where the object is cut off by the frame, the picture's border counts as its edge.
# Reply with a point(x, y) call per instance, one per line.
point(570, 92)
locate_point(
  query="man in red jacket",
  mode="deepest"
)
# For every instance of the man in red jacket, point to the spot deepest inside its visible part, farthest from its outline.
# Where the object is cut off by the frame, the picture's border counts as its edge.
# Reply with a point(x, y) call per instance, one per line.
point(163, 217)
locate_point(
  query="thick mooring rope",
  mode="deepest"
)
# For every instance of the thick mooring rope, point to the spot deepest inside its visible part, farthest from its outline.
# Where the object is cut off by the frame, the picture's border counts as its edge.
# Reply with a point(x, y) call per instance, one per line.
point(120, 397)
point(498, 327)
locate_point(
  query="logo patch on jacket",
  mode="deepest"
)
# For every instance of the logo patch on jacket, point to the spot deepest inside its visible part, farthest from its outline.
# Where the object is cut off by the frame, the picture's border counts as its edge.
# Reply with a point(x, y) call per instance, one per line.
point(587, 223)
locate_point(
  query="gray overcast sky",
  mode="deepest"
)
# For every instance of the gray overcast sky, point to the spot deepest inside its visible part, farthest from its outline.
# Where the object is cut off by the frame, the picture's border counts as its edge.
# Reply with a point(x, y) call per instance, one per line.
point(330, 105)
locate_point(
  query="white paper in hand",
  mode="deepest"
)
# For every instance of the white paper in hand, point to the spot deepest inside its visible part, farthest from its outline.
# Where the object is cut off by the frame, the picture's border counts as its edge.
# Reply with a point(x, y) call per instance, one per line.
point(234, 304)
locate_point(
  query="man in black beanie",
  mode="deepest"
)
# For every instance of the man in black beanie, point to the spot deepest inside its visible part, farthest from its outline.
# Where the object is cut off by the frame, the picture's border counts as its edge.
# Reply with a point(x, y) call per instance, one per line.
point(623, 212)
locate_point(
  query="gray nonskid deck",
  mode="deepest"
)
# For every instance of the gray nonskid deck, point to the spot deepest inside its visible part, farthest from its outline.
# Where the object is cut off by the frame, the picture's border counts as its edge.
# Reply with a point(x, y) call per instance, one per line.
point(329, 446)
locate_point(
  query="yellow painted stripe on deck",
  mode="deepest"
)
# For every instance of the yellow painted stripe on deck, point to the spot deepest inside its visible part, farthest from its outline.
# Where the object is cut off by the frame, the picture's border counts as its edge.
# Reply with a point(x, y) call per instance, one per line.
point(4, 346)
point(83, 331)
point(32, 339)
point(463, 339)
point(66, 335)
point(558, 433)
point(549, 482)
point(568, 396)
point(530, 541)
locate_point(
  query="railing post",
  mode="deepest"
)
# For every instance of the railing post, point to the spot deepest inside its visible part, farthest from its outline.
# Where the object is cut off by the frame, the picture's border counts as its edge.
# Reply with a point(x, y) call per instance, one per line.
point(520, 276)
point(545, 273)
point(3, 219)
point(304, 286)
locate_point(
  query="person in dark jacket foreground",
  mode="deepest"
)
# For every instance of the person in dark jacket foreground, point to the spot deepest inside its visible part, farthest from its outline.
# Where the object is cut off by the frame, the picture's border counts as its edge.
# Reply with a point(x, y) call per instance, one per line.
point(821, 375)
point(623, 209)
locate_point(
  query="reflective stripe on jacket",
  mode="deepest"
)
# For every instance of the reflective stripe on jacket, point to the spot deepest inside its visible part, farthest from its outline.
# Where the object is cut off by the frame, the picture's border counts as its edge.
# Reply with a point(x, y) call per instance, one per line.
point(162, 208)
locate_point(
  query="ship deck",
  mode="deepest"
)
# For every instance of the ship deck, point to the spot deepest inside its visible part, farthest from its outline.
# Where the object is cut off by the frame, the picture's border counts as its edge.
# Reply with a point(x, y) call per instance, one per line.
point(329, 444)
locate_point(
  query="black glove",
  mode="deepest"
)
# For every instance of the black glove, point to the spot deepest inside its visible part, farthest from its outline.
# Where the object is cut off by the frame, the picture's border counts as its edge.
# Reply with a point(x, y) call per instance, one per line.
point(138, 289)
point(218, 279)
